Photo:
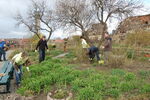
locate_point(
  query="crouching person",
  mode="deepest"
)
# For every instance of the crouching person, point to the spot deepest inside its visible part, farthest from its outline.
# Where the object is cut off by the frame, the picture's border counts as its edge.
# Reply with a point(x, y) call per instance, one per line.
point(94, 51)
point(18, 61)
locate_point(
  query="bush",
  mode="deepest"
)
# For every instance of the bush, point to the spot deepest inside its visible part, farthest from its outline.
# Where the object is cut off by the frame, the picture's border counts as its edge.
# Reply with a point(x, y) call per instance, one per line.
point(79, 52)
point(116, 61)
point(130, 54)
point(138, 38)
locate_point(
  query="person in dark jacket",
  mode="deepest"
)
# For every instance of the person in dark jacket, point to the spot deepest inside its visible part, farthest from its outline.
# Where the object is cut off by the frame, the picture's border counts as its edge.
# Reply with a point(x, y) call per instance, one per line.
point(2, 50)
point(41, 46)
point(94, 51)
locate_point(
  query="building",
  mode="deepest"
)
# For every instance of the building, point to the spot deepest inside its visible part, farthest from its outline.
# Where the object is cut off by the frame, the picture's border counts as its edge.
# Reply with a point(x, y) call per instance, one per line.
point(134, 23)
point(131, 24)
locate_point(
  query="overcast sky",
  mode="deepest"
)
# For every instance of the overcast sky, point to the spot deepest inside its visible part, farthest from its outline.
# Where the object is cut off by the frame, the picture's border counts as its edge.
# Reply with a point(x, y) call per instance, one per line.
point(9, 8)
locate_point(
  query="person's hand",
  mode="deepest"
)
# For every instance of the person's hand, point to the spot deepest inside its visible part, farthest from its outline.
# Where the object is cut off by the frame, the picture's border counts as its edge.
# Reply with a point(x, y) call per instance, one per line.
point(27, 69)
point(102, 47)
point(2, 74)
point(35, 50)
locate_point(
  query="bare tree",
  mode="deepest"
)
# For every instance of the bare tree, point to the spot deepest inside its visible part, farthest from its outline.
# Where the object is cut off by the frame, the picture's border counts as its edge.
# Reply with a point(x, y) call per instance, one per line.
point(107, 9)
point(75, 14)
point(39, 17)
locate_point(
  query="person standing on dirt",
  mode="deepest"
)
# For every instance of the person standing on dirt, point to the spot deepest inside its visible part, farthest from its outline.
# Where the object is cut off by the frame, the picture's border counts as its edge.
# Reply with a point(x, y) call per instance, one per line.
point(107, 46)
point(41, 46)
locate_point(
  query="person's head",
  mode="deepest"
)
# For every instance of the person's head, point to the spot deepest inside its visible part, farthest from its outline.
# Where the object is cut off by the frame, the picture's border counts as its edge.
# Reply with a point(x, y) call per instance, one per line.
point(44, 38)
point(106, 35)
point(24, 54)
point(3, 40)
point(81, 37)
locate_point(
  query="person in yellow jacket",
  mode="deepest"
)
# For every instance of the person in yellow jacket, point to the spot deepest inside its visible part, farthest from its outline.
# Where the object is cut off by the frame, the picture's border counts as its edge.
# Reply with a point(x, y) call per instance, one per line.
point(18, 61)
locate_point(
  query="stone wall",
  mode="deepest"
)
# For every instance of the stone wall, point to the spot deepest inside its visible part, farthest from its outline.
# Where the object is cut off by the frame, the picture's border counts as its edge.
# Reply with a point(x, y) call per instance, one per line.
point(134, 23)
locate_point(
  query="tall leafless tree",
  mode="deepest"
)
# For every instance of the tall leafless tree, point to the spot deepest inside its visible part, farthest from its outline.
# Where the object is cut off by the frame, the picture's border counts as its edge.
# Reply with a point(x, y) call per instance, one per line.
point(77, 14)
point(39, 17)
point(80, 13)
point(107, 9)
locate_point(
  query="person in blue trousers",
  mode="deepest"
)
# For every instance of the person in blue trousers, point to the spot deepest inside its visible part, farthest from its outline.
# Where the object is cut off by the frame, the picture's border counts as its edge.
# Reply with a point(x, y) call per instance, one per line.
point(2, 50)
point(18, 61)
point(41, 46)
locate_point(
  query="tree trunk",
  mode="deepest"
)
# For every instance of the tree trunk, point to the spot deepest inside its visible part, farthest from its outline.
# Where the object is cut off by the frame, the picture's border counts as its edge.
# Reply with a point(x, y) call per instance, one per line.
point(37, 35)
point(50, 33)
point(103, 34)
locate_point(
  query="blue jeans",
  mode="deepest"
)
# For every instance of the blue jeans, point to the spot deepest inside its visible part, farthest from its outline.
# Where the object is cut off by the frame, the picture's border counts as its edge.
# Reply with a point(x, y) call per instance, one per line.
point(18, 75)
point(41, 55)
point(2, 53)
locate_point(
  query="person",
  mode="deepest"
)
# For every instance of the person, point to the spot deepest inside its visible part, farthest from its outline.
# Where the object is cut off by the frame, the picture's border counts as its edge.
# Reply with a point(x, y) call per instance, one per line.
point(2, 74)
point(18, 61)
point(65, 44)
point(3, 50)
point(41, 46)
point(107, 46)
point(94, 51)
point(84, 43)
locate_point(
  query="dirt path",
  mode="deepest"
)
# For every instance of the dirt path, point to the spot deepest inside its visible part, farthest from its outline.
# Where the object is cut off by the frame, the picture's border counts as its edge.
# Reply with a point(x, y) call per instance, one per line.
point(61, 55)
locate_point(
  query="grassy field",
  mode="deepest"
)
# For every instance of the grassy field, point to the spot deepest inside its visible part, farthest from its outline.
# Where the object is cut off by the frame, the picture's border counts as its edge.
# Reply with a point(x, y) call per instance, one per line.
point(85, 83)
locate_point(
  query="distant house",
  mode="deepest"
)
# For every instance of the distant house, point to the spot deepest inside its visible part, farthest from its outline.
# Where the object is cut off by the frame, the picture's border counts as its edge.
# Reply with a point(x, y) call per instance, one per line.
point(58, 41)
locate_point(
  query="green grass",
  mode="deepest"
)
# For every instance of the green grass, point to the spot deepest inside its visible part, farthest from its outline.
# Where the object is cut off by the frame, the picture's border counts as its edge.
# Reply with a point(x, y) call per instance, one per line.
point(86, 84)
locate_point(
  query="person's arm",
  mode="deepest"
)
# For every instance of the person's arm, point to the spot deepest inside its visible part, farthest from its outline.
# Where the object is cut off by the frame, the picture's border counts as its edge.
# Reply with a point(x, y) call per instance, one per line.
point(38, 44)
point(46, 45)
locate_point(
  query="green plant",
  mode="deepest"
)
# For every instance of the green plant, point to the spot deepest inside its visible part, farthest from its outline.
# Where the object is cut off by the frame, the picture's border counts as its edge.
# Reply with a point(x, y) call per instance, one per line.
point(144, 74)
point(86, 93)
point(130, 77)
point(127, 86)
point(131, 54)
point(60, 94)
point(85, 84)
point(98, 85)
point(118, 72)
point(115, 93)
point(145, 88)
point(78, 84)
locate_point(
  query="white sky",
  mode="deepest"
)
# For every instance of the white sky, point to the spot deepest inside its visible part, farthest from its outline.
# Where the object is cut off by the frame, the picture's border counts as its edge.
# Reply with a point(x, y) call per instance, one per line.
point(9, 8)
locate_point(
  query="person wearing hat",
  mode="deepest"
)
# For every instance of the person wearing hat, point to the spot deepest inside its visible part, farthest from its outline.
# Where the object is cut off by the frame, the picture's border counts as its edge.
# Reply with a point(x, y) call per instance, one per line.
point(41, 46)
